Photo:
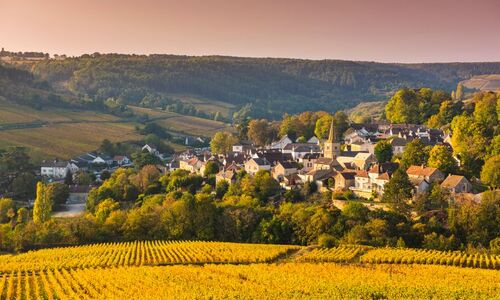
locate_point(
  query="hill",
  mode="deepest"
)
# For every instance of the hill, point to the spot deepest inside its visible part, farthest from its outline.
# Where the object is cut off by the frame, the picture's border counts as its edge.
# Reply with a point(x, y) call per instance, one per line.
point(273, 85)
point(483, 82)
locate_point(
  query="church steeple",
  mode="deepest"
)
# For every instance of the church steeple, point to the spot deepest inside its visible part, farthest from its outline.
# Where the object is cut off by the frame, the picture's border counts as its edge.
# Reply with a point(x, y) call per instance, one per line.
point(331, 147)
point(331, 135)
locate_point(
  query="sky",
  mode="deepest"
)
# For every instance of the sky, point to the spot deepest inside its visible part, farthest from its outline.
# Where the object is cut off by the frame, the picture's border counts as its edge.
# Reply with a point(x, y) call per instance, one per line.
point(368, 30)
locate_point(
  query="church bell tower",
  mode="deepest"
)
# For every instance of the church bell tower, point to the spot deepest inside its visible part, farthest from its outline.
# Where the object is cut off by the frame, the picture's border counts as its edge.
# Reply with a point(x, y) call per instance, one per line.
point(331, 147)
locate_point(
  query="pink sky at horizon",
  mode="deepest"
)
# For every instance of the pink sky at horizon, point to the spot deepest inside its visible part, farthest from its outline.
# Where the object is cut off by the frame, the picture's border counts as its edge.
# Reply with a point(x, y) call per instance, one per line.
point(382, 30)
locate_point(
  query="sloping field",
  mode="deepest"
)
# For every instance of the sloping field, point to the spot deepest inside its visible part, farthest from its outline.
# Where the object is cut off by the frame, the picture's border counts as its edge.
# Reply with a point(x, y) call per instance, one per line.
point(183, 124)
point(67, 140)
point(489, 82)
point(207, 105)
point(12, 114)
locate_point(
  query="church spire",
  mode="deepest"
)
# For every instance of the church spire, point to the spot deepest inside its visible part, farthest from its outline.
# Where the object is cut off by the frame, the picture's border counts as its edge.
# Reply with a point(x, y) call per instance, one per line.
point(331, 135)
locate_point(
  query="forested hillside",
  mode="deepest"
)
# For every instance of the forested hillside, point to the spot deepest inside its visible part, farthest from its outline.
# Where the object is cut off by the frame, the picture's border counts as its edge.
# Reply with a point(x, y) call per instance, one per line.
point(22, 87)
point(273, 85)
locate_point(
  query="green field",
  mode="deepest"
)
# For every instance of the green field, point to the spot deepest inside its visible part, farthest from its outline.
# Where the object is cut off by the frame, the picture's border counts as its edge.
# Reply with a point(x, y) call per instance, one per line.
point(366, 111)
point(183, 124)
point(207, 105)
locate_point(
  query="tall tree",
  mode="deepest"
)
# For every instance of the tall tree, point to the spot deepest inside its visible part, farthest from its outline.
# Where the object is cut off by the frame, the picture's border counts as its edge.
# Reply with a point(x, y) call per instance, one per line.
point(442, 158)
point(43, 206)
point(222, 142)
point(57, 193)
point(459, 94)
point(398, 191)
point(415, 153)
point(490, 174)
point(261, 132)
point(383, 151)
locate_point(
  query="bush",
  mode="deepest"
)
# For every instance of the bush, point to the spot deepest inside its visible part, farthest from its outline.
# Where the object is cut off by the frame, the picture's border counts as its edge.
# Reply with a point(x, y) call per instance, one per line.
point(327, 241)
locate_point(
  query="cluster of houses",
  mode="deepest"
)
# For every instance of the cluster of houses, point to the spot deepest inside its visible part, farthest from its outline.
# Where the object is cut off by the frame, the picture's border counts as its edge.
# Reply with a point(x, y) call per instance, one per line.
point(90, 162)
point(330, 165)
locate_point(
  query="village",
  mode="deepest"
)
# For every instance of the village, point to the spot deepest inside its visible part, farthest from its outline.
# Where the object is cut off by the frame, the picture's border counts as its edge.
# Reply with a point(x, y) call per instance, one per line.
point(346, 166)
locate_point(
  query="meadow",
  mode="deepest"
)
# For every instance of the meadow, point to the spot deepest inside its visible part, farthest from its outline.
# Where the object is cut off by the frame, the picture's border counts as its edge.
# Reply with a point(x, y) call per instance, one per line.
point(178, 123)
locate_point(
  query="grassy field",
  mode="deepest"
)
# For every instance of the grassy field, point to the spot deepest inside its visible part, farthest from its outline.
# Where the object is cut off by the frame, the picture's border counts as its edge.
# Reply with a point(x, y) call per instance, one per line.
point(215, 270)
point(12, 114)
point(207, 105)
point(183, 124)
point(67, 140)
point(366, 111)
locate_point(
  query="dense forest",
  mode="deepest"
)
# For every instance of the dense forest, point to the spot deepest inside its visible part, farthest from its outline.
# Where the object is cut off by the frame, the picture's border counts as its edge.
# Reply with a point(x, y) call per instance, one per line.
point(271, 85)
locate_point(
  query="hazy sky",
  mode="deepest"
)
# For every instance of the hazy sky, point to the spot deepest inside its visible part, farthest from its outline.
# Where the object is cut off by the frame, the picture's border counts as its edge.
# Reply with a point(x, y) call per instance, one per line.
point(375, 30)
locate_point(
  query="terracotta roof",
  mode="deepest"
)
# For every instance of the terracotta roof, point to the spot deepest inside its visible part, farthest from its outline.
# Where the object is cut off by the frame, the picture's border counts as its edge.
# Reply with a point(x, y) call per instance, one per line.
point(361, 174)
point(421, 171)
point(384, 176)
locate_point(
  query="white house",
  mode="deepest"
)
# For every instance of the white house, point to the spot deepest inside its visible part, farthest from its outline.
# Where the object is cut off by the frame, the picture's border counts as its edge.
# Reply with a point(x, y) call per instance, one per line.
point(150, 149)
point(281, 143)
point(54, 169)
point(122, 160)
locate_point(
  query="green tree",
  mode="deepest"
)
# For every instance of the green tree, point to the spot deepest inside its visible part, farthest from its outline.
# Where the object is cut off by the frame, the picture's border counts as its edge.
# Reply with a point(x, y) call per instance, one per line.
point(68, 179)
point(322, 127)
point(383, 151)
point(22, 215)
point(415, 153)
point(490, 174)
point(468, 137)
point(42, 208)
point(83, 178)
point(402, 107)
point(398, 191)
point(107, 147)
point(5, 205)
point(211, 168)
point(261, 132)
point(58, 193)
point(459, 93)
point(105, 208)
point(485, 112)
point(222, 142)
point(442, 158)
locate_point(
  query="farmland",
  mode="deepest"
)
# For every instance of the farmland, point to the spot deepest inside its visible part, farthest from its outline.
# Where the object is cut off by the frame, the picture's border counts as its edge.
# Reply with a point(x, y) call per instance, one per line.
point(64, 133)
point(69, 139)
point(181, 123)
point(258, 281)
point(187, 270)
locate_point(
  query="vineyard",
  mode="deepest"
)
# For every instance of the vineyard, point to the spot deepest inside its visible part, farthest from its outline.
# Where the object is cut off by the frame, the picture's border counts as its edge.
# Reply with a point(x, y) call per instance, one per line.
point(431, 257)
point(342, 254)
point(140, 254)
point(254, 281)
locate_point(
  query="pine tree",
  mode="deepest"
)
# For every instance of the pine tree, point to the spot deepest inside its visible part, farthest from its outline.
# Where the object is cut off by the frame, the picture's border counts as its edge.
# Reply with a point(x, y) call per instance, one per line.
point(43, 206)
point(68, 180)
